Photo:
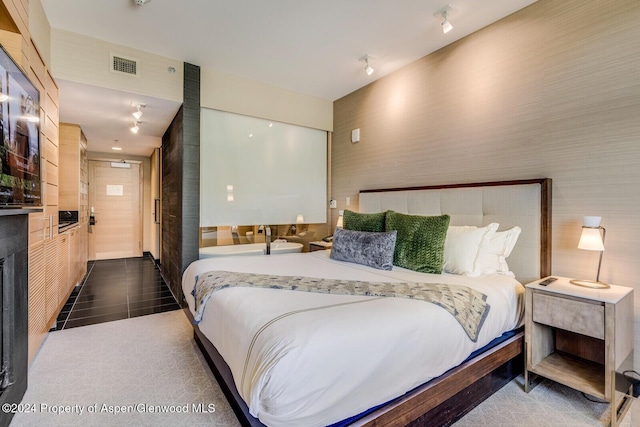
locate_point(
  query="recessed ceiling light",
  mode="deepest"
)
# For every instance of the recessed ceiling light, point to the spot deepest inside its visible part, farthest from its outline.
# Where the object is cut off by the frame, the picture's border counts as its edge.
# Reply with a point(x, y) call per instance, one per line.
point(116, 148)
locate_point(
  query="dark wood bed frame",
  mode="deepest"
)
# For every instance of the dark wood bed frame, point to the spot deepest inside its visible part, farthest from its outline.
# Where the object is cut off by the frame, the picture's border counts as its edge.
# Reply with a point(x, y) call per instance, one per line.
point(445, 399)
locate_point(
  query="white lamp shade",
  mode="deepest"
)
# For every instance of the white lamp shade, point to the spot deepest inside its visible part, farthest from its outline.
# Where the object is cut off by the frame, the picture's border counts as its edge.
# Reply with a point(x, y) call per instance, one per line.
point(591, 240)
point(340, 223)
point(591, 221)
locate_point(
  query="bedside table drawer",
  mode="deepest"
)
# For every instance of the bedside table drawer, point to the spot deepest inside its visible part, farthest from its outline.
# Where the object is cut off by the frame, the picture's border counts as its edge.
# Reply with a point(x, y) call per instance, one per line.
point(575, 316)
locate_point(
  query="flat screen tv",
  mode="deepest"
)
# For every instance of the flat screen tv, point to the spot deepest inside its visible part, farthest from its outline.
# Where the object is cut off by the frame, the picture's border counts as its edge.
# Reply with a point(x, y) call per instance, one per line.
point(20, 184)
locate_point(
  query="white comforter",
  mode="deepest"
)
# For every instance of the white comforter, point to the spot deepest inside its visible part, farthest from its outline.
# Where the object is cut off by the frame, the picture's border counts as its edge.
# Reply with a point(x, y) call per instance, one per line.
point(314, 359)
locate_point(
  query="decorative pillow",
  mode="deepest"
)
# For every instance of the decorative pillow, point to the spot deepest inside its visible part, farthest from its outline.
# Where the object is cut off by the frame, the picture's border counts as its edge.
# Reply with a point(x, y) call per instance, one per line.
point(363, 247)
point(494, 250)
point(420, 244)
point(373, 222)
point(462, 247)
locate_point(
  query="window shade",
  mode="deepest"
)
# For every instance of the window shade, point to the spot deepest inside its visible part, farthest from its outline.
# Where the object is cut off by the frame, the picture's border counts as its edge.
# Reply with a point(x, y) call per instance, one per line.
point(255, 171)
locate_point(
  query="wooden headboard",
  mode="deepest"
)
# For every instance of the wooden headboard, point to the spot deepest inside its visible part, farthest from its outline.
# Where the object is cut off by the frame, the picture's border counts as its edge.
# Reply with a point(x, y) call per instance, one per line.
point(525, 203)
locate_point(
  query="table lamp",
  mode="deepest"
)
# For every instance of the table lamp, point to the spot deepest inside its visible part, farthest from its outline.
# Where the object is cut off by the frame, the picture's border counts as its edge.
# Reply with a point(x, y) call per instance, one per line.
point(592, 240)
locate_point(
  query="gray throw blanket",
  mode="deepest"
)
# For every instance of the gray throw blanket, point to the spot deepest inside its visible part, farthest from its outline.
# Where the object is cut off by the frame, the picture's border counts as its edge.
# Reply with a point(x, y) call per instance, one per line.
point(468, 306)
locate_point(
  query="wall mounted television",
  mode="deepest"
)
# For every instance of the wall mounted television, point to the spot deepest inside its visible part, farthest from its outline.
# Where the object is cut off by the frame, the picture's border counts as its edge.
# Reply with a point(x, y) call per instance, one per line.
point(20, 173)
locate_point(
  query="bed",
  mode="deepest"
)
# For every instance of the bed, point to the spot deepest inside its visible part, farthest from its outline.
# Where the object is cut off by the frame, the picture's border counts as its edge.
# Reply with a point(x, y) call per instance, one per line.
point(290, 358)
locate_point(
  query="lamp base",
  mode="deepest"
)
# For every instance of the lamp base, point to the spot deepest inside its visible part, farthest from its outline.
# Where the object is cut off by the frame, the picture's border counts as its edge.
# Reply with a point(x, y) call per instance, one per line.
point(590, 284)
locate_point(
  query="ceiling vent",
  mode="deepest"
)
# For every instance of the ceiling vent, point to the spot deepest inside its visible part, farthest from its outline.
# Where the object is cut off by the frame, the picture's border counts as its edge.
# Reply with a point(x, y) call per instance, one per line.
point(121, 65)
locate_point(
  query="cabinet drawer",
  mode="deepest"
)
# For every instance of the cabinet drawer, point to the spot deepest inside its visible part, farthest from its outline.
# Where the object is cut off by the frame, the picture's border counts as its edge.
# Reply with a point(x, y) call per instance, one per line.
point(576, 316)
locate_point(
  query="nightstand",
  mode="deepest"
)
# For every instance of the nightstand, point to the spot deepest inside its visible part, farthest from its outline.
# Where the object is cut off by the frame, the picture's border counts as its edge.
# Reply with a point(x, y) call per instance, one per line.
point(579, 337)
point(319, 246)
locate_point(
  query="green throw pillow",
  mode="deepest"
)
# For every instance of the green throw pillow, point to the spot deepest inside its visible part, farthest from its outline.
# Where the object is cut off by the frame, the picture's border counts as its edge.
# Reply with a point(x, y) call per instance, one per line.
point(420, 241)
point(373, 222)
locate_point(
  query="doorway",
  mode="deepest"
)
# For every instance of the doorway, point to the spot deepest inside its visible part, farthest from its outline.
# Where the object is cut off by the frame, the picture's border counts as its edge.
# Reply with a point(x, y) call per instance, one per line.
point(115, 200)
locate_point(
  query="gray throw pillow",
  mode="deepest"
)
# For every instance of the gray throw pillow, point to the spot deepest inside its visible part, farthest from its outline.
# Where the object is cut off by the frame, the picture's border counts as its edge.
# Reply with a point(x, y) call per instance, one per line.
point(364, 247)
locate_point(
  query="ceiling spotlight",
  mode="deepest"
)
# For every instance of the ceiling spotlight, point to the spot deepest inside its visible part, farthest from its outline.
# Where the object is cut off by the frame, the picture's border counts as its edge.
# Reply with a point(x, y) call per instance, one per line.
point(446, 25)
point(135, 128)
point(444, 14)
point(137, 114)
point(140, 2)
point(367, 68)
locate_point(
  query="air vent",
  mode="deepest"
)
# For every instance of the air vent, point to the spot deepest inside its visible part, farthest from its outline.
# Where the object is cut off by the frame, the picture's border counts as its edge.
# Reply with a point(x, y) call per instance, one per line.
point(122, 65)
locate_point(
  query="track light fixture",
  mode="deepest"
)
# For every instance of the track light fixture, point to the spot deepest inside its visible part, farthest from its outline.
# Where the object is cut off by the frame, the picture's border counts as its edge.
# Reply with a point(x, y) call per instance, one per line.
point(367, 68)
point(137, 114)
point(446, 25)
point(135, 128)
point(444, 14)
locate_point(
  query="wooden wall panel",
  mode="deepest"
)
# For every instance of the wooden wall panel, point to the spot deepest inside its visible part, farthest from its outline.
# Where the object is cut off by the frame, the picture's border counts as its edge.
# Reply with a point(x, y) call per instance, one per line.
point(52, 280)
point(37, 297)
point(69, 173)
point(12, 43)
point(63, 244)
point(43, 293)
point(550, 91)
point(37, 67)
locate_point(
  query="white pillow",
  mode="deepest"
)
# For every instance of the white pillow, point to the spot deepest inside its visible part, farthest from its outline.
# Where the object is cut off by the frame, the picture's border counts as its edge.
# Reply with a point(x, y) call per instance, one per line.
point(495, 249)
point(461, 248)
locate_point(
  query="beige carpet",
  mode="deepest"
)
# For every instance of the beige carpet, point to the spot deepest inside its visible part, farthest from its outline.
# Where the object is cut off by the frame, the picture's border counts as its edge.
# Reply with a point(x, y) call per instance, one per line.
point(132, 366)
point(548, 405)
point(140, 364)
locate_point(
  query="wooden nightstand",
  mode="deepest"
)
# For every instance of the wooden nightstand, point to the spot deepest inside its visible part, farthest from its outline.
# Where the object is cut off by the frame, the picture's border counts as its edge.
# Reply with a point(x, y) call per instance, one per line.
point(579, 337)
point(319, 246)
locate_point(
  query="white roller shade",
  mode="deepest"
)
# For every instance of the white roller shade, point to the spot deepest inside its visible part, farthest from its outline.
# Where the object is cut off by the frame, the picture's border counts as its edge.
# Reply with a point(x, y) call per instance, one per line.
point(254, 171)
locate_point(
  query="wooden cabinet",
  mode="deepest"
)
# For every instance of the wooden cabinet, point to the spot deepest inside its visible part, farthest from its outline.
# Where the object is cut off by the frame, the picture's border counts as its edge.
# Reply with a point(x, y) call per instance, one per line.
point(37, 297)
point(579, 337)
point(74, 195)
point(77, 261)
point(319, 246)
point(44, 293)
point(74, 176)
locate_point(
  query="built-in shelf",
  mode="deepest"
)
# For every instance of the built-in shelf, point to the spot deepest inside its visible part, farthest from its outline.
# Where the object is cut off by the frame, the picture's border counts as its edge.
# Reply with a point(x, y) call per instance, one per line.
point(574, 372)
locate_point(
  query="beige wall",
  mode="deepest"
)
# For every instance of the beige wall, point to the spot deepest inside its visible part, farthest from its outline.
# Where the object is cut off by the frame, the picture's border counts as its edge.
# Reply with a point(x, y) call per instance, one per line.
point(550, 91)
point(40, 30)
point(83, 59)
point(147, 201)
point(226, 92)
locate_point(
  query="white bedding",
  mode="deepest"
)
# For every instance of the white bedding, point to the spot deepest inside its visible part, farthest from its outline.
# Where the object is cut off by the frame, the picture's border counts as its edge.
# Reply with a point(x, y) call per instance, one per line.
point(314, 359)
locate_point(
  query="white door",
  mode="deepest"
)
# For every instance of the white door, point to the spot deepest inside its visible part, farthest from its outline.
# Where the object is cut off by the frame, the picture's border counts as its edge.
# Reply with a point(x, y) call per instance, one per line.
point(115, 197)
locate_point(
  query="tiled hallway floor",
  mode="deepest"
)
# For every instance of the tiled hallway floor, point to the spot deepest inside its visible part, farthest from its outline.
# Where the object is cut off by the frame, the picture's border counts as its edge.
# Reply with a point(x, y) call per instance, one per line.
point(117, 289)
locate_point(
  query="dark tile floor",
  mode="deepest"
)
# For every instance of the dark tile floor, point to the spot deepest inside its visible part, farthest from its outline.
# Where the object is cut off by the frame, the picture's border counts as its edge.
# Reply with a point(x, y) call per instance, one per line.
point(117, 289)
